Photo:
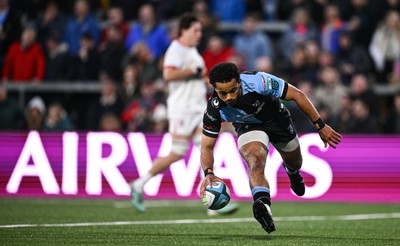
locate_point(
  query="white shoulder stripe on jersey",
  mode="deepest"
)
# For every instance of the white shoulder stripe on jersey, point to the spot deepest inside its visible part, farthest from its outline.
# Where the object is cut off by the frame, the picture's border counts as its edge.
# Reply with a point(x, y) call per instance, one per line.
point(211, 132)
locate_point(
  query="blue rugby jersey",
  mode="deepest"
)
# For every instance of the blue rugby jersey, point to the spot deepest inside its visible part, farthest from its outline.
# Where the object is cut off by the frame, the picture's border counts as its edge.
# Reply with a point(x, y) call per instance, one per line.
point(259, 103)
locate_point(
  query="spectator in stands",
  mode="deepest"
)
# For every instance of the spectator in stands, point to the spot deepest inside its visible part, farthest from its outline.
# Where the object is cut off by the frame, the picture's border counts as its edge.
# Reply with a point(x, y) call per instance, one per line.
point(115, 18)
point(138, 115)
point(285, 8)
point(385, 46)
point(331, 28)
point(112, 53)
point(159, 119)
point(300, 120)
point(392, 120)
point(381, 8)
point(57, 119)
point(208, 22)
point(269, 9)
point(10, 29)
point(87, 61)
point(141, 57)
point(351, 58)
point(110, 122)
point(362, 22)
point(58, 60)
point(130, 84)
point(264, 64)
point(148, 31)
point(312, 51)
point(395, 79)
point(82, 23)
point(25, 61)
point(342, 120)
point(300, 30)
point(298, 69)
point(228, 10)
point(360, 88)
point(109, 102)
point(35, 113)
point(362, 121)
point(326, 59)
point(50, 21)
point(330, 91)
point(129, 7)
point(217, 51)
point(251, 43)
point(28, 10)
point(11, 114)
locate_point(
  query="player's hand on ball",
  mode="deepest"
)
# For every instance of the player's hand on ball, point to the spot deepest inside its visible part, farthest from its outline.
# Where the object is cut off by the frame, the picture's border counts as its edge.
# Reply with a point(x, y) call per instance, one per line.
point(208, 181)
point(217, 196)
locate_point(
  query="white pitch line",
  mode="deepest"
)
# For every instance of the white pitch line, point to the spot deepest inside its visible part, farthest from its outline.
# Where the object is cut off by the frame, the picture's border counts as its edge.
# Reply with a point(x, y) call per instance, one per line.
point(228, 220)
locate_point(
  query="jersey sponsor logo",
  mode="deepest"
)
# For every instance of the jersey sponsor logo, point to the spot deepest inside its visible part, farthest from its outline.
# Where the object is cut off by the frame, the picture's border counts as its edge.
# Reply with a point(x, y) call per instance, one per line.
point(264, 83)
point(209, 116)
point(273, 84)
point(215, 102)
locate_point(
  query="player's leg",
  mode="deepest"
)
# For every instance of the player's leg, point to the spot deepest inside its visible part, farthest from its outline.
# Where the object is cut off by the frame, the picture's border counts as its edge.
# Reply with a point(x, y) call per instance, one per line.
point(253, 147)
point(180, 134)
point(292, 162)
point(160, 164)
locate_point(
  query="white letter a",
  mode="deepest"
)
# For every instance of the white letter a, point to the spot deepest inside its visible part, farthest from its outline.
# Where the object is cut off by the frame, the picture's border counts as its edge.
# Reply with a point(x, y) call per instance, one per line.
point(40, 167)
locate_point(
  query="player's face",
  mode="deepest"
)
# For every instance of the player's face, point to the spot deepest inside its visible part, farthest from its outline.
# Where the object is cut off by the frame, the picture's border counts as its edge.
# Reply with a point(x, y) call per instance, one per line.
point(228, 92)
point(193, 34)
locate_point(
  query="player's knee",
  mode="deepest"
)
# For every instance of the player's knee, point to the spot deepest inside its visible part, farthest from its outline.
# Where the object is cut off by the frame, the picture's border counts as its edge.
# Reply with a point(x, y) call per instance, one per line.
point(254, 156)
point(180, 147)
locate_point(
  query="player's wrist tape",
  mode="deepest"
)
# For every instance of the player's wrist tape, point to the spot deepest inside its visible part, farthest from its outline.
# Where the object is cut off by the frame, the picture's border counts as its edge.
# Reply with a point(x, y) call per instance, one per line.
point(199, 72)
point(208, 171)
point(320, 123)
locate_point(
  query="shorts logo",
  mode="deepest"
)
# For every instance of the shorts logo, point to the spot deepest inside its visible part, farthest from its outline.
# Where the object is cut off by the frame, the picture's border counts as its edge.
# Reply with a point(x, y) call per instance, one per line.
point(256, 104)
point(215, 102)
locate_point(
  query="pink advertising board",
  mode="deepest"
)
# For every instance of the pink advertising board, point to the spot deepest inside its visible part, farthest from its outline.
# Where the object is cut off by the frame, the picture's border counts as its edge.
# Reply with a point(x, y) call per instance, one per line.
point(100, 165)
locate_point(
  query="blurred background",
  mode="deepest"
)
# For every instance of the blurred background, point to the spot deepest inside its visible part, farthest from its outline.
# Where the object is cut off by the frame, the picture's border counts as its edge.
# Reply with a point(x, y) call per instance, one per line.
point(96, 65)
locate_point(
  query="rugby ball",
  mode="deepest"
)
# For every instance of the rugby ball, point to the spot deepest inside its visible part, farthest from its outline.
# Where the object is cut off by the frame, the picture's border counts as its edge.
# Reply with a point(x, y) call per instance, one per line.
point(217, 196)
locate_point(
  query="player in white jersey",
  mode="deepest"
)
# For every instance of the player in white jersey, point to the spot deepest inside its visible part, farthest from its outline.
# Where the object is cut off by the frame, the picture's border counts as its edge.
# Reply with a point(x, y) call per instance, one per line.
point(184, 70)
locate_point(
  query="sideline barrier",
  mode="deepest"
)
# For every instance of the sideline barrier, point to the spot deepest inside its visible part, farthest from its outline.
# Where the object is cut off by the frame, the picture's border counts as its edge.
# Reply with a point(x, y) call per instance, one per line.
point(100, 164)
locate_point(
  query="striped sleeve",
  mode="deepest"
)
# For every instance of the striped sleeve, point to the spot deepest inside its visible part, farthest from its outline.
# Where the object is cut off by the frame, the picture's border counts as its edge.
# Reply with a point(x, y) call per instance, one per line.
point(211, 121)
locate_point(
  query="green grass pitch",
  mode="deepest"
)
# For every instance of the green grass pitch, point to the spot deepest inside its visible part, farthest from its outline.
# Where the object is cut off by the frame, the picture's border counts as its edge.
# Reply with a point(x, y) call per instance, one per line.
point(33, 221)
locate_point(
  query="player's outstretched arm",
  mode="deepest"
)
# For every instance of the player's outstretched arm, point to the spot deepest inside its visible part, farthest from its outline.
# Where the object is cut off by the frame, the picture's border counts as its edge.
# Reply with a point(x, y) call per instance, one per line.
point(328, 135)
point(207, 162)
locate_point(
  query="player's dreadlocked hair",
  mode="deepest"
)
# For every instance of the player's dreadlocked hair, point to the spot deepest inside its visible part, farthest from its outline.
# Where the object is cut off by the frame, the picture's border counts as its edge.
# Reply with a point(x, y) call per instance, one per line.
point(224, 72)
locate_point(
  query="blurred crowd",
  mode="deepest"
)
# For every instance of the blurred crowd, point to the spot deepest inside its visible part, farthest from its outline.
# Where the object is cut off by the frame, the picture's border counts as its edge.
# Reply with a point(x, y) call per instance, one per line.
point(336, 51)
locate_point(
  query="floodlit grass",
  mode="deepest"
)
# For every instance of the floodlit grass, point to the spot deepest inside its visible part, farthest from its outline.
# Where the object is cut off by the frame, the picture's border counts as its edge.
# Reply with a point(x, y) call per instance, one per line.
point(115, 222)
